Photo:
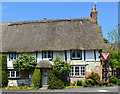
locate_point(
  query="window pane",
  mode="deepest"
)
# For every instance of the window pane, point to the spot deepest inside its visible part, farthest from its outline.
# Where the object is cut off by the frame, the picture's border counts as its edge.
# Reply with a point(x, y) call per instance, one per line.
point(78, 54)
point(12, 73)
point(49, 56)
point(44, 54)
point(8, 73)
point(73, 55)
point(17, 74)
point(11, 55)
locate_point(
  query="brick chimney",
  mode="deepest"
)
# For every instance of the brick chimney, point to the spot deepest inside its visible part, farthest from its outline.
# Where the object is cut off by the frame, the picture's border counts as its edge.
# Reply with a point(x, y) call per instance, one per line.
point(94, 13)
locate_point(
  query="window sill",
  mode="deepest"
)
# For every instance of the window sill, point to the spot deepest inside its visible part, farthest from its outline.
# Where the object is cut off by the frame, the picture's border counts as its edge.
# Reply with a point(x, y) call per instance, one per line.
point(77, 76)
point(13, 77)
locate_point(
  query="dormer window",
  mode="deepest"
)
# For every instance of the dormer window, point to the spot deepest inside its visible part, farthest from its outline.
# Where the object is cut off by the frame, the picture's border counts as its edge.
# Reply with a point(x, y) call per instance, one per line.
point(76, 54)
point(47, 54)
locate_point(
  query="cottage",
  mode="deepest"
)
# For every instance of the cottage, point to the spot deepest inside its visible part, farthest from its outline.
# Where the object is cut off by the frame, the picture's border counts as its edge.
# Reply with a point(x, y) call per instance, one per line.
point(79, 41)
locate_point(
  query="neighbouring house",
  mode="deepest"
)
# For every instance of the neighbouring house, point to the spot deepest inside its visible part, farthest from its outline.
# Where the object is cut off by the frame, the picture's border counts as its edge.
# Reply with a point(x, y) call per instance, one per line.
point(78, 41)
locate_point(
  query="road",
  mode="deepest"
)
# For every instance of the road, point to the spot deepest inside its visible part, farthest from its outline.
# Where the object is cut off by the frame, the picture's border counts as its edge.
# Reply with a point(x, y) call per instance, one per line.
point(104, 90)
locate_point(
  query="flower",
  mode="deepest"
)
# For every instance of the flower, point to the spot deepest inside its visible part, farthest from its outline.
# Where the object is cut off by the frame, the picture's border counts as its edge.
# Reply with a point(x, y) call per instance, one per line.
point(108, 80)
point(108, 74)
point(86, 77)
point(35, 78)
point(67, 78)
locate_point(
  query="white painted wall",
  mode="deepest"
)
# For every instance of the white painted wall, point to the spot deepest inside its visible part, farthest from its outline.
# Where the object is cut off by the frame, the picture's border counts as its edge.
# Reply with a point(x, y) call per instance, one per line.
point(39, 57)
point(90, 55)
point(9, 62)
point(58, 54)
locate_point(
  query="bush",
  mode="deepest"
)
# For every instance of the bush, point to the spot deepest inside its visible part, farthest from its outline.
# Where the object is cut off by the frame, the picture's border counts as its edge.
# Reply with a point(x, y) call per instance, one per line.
point(93, 79)
point(79, 82)
point(74, 83)
point(4, 79)
point(110, 79)
point(84, 84)
point(61, 69)
point(53, 81)
point(36, 78)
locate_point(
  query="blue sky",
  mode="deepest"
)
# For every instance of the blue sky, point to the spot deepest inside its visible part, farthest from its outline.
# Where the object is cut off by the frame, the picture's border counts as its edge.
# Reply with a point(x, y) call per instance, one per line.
point(24, 11)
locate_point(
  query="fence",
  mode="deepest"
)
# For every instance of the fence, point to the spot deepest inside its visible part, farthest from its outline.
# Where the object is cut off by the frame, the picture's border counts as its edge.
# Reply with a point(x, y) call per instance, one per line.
point(115, 73)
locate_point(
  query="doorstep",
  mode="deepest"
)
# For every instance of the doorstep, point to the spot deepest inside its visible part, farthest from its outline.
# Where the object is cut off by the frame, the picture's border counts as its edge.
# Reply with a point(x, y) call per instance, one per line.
point(44, 87)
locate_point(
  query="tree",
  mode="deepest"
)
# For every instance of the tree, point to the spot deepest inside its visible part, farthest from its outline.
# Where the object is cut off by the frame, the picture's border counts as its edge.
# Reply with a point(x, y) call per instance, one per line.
point(106, 40)
point(112, 47)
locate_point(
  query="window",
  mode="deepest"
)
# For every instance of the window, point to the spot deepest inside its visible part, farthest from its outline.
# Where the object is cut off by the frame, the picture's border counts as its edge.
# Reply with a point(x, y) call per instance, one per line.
point(77, 71)
point(13, 56)
point(13, 74)
point(76, 54)
point(47, 54)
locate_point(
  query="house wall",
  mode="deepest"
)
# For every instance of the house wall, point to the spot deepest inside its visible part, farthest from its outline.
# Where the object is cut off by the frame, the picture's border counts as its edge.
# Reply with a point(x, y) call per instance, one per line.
point(92, 65)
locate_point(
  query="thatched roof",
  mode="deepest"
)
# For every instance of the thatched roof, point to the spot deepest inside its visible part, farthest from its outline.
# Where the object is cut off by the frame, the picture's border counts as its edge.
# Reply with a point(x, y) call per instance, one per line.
point(44, 64)
point(57, 34)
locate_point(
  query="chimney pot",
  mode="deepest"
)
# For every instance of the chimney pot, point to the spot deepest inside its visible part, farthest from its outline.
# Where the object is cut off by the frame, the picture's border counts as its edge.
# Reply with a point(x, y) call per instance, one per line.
point(45, 18)
point(94, 13)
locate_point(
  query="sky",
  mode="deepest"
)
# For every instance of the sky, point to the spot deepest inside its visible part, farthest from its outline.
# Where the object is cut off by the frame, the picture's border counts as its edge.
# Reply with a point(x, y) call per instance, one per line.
point(25, 11)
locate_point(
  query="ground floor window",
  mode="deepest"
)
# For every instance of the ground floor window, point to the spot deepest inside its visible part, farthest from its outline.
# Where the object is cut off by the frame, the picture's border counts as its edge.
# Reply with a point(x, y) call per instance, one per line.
point(77, 71)
point(13, 73)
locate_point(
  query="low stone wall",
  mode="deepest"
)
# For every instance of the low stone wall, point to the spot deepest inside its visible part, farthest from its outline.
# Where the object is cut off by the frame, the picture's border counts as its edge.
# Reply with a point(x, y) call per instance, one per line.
point(72, 79)
point(19, 82)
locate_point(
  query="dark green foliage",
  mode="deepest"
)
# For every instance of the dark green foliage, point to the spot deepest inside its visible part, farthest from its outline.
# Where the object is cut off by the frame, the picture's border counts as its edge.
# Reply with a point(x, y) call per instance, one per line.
point(84, 84)
point(61, 69)
point(3, 60)
point(79, 82)
point(4, 79)
point(106, 40)
point(3, 70)
point(24, 62)
point(36, 78)
point(54, 82)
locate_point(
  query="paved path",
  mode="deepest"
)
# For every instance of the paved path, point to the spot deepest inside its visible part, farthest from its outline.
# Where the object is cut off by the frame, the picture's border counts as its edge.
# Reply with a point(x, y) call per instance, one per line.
point(85, 89)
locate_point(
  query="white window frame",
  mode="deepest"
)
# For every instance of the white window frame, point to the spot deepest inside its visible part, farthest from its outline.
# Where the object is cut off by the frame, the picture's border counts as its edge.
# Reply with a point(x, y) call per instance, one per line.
point(76, 51)
point(80, 71)
point(15, 73)
point(46, 53)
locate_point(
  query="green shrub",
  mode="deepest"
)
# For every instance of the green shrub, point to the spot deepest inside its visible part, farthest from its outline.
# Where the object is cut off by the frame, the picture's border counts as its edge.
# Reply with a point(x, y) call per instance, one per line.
point(111, 84)
point(4, 79)
point(61, 69)
point(74, 83)
point(53, 81)
point(79, 82)
point(84, 84)
point(36, 78)
point(110, 79)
